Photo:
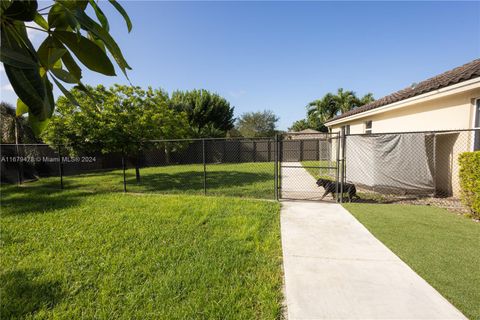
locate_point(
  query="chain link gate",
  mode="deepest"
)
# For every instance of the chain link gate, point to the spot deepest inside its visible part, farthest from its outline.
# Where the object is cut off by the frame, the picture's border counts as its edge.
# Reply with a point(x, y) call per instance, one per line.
point(309, 166)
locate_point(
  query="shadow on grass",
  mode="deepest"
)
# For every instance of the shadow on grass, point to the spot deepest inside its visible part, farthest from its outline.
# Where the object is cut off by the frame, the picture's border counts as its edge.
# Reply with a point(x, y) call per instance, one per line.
point(38, 197)
point(193, 180)
point(22, 296)
point(45, 195)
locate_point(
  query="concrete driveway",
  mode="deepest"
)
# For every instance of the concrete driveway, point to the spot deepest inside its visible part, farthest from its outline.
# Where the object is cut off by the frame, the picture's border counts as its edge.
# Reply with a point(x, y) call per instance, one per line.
point(336, 269)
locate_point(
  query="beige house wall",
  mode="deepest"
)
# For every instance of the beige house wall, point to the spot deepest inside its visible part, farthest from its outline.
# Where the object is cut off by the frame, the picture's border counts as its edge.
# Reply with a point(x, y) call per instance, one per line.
point(445, 112)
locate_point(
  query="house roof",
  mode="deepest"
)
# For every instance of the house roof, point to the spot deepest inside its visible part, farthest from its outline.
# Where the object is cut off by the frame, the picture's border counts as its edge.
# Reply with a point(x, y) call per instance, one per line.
point(463, 73)
point(307, 131)
point(303, 132)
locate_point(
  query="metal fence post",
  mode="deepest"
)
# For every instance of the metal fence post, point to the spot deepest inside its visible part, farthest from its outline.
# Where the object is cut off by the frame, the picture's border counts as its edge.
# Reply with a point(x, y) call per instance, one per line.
point(124, 174)
point(343, 140)
point(337, 171)
point(60, 166)
point(301, 150)
point(18, 158)
point(204, 168)
point(434, 165)
point(275, 173)
point(279, 161)
point(269, 150)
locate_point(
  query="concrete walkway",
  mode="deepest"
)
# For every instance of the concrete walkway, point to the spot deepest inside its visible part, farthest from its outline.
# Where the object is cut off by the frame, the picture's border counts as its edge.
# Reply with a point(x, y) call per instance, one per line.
point(298, 184)
point(336, 269)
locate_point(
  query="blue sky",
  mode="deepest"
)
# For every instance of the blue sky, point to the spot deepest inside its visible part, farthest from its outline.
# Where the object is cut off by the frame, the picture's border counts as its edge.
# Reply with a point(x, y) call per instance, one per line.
point(281, 55)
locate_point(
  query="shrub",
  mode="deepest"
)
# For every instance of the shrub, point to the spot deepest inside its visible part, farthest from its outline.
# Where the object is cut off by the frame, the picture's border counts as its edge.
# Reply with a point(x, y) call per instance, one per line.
point(470, 181)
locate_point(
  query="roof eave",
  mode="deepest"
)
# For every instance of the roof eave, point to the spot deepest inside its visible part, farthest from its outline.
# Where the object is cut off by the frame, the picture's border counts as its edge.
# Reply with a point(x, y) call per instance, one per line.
point(452, 89)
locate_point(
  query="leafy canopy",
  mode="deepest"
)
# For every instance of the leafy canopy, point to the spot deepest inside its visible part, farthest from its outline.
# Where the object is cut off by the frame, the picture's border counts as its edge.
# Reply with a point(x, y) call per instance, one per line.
point(121, 119)
point(257, 124)
point(209, 115)
point(330, 105)
point(70, 33)
point(14, 129)
point(310, 122)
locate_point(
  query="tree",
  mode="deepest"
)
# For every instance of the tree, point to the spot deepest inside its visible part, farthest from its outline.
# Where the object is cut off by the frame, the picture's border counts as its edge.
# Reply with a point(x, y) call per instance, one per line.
point(69, 32)
point(121, 119)
point(209, 115)
point(299, 125)
point(311, 122)
point(331, 104)
point(257, 124)
point(15, 129)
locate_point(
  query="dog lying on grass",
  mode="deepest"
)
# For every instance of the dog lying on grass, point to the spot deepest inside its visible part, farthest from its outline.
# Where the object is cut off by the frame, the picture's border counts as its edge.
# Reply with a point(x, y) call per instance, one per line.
point(332, 187)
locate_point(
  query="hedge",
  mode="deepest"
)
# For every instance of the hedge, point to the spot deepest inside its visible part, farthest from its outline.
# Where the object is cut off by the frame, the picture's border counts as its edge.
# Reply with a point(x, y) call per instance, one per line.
point(470, 181)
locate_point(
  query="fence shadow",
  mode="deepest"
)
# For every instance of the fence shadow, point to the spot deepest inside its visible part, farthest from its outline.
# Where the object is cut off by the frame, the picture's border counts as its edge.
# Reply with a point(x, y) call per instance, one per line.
point(193, 180)
point(38, 197)
point(21, 296)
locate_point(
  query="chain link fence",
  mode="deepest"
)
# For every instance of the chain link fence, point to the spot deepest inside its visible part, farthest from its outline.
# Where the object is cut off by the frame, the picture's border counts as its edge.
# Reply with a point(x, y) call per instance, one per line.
point(410, 167)
point(222, 167)
point(305, 158)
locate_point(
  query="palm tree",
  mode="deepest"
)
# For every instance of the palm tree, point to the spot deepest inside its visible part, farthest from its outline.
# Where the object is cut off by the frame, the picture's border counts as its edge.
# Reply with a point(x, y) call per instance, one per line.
point(345, 100)
point(332, 105)
point(14, 129)
point(324, 108)
point(366, 99)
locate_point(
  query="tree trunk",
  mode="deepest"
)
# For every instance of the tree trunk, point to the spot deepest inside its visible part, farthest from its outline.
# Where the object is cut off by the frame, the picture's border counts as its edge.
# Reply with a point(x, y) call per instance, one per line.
point(167, 153)
point(137, 172)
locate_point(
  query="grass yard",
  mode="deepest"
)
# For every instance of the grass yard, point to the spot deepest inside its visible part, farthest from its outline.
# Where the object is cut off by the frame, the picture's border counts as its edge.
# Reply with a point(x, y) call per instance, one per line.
point(73, 254)
point(251, 179)
point(317, 173)
point(440, 246)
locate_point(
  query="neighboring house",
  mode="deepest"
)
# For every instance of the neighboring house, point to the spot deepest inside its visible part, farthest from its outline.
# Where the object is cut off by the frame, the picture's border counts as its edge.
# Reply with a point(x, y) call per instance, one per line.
point(303, 134)
point(308, 144)
point(449, 101)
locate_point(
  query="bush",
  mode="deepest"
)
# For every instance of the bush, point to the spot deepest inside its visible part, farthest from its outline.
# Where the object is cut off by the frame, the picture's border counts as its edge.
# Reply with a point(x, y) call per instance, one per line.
point(470, 181)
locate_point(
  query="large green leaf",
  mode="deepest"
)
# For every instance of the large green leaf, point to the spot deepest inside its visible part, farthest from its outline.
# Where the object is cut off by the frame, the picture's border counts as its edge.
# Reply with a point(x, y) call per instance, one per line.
point(72, 66)
point(16, 59)
point(22, 108)
point(14, 36)
point(40, 20)
point(31, 89)
point(22, 10)
point(67, 93)
point(100, 15)
point(87, 52)
point(74, 4)
point(97, 30)
point(49, 52)
point(63, 75)
point(61, 17)
point(36, 124)
point(97, 41)
point(27, 83)
point(123, 13)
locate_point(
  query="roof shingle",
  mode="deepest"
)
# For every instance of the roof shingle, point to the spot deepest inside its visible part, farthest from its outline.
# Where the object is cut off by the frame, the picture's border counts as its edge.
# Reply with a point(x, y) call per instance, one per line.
point(463, 73)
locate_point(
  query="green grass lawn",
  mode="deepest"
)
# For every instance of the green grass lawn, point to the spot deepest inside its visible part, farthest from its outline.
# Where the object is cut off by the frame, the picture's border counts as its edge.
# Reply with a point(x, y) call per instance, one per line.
point(313, 167)
point(73, 254)
point(252, 179)
point(440, 246)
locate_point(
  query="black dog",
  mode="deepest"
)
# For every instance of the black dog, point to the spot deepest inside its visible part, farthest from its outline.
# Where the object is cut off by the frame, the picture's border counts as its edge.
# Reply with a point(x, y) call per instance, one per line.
point(332, 187)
